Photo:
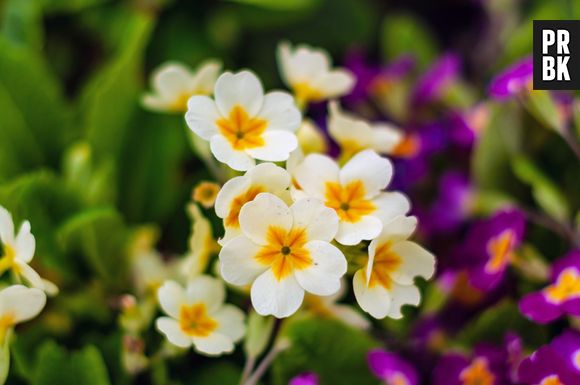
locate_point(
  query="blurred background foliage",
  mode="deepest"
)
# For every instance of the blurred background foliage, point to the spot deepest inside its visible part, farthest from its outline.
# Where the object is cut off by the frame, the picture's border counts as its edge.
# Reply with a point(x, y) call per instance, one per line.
point(86, 164)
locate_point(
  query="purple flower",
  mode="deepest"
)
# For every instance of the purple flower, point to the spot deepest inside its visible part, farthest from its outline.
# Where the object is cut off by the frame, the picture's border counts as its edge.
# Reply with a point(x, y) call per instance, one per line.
point(304, 379)
point(490, 247)
point(434, 81)
point(487, 367)
point(561, 297)
point(452, 206)
point(392, 369)
point(512, 80)
point(555, 364)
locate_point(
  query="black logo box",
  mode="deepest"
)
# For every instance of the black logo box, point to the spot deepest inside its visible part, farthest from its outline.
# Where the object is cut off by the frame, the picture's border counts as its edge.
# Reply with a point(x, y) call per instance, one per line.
point(573, 28)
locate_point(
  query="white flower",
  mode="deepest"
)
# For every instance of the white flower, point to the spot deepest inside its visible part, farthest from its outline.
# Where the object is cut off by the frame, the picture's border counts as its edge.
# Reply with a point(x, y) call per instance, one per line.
point(173, 84)
point(386, 282)
point(149, 271)
point(310, 138)
point(19, 303)
point(283, 252)
point(265, 177)
point(18, 251)
point(201, 243)
point(354, 192)
point(243, 124)
point(198, 316)
point(307, 71)
point(354, 135)
point(327, 307)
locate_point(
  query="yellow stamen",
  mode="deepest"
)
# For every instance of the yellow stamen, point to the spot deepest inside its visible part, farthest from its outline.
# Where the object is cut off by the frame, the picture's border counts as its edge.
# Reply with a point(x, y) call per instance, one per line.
point(551, 380)
point(232, 219)
point(500, 250)
point(8, 260)
point(7, 321)
point(195, 322)
point(566, 287)
point(477, 373)
point(408, 147)
point(398, 379)
point(304, 93)
point(242, 131)
point(285, 251)
point(348, 201)
point(384, 264)
point(205, 193)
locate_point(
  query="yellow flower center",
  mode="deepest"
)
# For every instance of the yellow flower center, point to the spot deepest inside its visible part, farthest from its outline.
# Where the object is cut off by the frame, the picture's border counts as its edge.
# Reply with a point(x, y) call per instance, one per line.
point(285, 251)
point(6, 322)
point(348, 201)
point(205, 193)
point(8, 260)
point(477, 373)
point(551, 380)
point(195, 322)
point(566, 287)
point(180, 102)
point(232, 220)
point(384, 264)
point(242, 131)
point(500, 251)
point(305, 93)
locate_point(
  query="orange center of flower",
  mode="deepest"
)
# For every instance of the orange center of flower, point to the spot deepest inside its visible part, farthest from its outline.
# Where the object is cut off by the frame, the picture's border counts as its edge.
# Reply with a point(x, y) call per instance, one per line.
point(348, 201)
point(285, 251)
point(576, 359)
point(566, 287)
point(407, 148)
point(500, 251)
point(477, 373)
point(305, 93)
point(232, 220)
point(398, 379)
point(551, 380)
point(205, 193)
point(242, 131)
point(195, 322)
point(384, 264)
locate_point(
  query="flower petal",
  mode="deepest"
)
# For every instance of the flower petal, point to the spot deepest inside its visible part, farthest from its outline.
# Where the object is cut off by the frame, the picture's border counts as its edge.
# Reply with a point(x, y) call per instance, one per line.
point(264, 211)
point(225, 153)
point(21, 302)
point(374, 300)
point(415, 261)
point(399, 229)
point(214, 344)
point(390, 205)
point(238, 265)
point(6, 226)
point(273, 178)
point(206, 75)
point(367, 228)
point(241, 89)
point(323, 276)
point(30, 275)
point(171, 79)
point(229, 191)
point(335, 83)
point(386, 137)
point(25, 243)
point(201, 116)
point(403, 295)
point(171, 296)
point(172, 331)
point(314, 172)
point(280, 112)
point(231, 322)
point(207, 290)
point(277, 146)
point(278, 298)
point(535, 307)
point(320, 222)
point(367, 166)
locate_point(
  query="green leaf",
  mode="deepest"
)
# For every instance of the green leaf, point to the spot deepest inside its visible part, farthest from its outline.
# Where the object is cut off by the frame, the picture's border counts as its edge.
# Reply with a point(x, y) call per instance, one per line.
point(545, 192)
point(63, 6)
point(58, 366)
point(22, 23)
point(217, 373)
point(336, 352)
point(404, 34)
point(258, 334)
point(542, 106)
point(100, 236)
point(287, 5)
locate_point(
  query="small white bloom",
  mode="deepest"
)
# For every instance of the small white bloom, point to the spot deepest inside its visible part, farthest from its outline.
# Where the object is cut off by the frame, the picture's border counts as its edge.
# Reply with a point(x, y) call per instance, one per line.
point(198, 316)
point(386, 283)
point(19, 303)
point(310, 138)
point(18, 251)
point(265, 177)
point(283, 252)
point(307, 71)
point(354, 134)
point(327, 307)
point(354, 192)
point(149, 271)
point(243, 124)
point(201, 243)
point(173, 84)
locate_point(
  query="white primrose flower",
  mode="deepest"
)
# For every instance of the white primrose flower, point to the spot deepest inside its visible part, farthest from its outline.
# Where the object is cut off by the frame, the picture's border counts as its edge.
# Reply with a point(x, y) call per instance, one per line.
point(386, 283)
point(354, 134)
point(173, 84)
point(198, 316)
point(18, 304)
point(307, 71)
point(18, 251)
point(242, 124)
point(283, 252)
point(354, 192)
point(235, 193)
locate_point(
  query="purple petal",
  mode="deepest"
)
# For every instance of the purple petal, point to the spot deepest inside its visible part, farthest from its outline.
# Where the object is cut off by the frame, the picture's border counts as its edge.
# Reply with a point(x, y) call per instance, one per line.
point(512, 80)
point(430, 86)
point(304, 379)
point(538, 309)
point(449, 368)
point(568, 346)
point(572, 259)
point(386, 366)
